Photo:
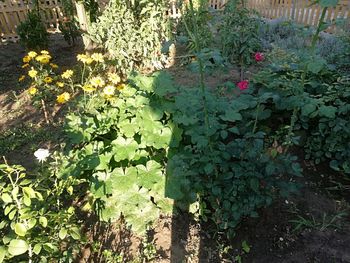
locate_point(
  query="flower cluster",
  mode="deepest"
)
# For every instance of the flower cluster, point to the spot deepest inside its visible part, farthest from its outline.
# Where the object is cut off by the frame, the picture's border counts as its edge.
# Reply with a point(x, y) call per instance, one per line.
point(45, 84)
point(49, 85)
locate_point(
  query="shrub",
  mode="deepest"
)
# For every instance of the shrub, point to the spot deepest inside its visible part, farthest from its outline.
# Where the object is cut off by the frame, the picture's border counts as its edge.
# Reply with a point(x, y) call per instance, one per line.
point(36, 221)
point(32, 32)
point(239, 34)
point(126, 30)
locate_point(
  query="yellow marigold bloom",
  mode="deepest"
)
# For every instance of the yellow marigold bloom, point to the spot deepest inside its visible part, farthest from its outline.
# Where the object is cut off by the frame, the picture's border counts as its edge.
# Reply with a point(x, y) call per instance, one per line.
point(98, 57)
point(32, 73)
point(84, 58)
point(44, 52)
point(26, 59)
point(21, 78)
point(32, 90)
point(60, 84)
point(120, 86)
point(109, 90)
point(53, 65)
point(63, 98)
point(97, 82)
point(88, 88)
point(25, 65)
point(32, 54)
point(48, 80)
point(67, 74)
point(44, 59)
point(114, 78)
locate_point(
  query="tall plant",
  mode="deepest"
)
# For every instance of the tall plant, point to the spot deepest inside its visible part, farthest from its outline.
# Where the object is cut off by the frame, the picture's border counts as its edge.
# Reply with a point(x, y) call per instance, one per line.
point(126, 30)
point(239, 34)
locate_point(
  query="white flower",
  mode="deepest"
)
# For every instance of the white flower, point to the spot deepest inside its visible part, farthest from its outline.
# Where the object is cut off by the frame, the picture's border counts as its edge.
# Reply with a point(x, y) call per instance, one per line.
point(41, 154)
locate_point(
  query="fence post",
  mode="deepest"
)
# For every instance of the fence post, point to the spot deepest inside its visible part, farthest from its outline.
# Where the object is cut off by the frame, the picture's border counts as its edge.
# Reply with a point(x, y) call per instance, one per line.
point(293, 9)
point(83, 23)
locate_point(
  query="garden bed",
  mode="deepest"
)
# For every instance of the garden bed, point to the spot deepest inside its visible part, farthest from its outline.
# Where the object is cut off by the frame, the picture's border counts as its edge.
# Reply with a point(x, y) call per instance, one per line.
point(323, 235)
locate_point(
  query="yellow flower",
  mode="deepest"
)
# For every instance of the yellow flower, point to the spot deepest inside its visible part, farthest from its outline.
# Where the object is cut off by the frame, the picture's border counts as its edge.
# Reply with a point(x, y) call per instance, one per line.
point(60, 84)
point(32, 73)
point(114, 78)
point(32, 90)
point(120, 86)
point(98, 57)
point(53, 65)
point(63, 98)
point(44, 59)
point(67, 74)
point(109, 90)
point(32, 54)
point(88, 88)
point(48, 80)
point(21, 78)
point(25, 65)
point(84, 58)
point(44, 52)
point(97, 82)
point(26, 59)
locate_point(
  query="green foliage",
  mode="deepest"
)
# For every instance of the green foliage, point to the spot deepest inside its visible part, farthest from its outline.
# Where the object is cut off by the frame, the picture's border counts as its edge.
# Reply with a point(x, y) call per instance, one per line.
point(34, 221)
point(228, 168)
point(239, 33)
point(323, 113)
point(70, 26)
point(195, 21)
point(32, 32)
point(127, 31)
point(120, 148)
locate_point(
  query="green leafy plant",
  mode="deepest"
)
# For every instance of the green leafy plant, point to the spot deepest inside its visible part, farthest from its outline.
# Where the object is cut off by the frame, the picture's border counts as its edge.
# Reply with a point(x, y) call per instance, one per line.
point(32, 32)
point(70, 26)
point(36, 224)
point(120, 148)
point(239, 34)
point(126, 31)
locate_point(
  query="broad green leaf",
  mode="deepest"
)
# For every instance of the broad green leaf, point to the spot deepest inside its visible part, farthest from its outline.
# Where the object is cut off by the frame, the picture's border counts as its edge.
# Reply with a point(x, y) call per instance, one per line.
point(75, 233)
point(17, 247)
point(28, 191)
point(31, 223)
point(308, 109)
point(43, 221)
point(150, 174)
point(6, 198)
point(327, 111)
point(124, 148)
point(2, 253)
point(20, 229)
point(245, 247)
point(231, 115)
point(316, 65)
point(254, 184)
point(62, 233)
point(37, 249)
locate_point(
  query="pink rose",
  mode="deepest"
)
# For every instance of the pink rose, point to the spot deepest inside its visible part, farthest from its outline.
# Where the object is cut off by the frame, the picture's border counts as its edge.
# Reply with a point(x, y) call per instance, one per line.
point(259, 56)
point(243, 85)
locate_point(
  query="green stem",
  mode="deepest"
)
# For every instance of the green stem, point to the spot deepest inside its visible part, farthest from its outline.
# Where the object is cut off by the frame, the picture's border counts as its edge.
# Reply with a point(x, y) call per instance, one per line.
point(318, 30)
point(256, 117)
point(201, 70)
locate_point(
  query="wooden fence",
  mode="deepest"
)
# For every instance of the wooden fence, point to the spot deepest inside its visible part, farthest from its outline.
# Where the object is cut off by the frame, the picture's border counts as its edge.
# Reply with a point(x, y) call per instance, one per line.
point(12, 12)
point(300, 11)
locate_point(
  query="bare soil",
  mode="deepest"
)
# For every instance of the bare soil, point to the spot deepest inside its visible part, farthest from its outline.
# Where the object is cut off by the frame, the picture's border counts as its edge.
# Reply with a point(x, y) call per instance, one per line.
point(273, 238)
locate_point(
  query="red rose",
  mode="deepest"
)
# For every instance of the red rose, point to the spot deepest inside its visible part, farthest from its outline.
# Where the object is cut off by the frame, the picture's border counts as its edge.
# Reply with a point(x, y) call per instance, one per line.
point(259, 56)
point(242, 85)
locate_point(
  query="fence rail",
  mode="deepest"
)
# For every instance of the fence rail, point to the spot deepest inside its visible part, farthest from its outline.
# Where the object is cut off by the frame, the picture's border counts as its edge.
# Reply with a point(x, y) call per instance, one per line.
point(12, 12)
